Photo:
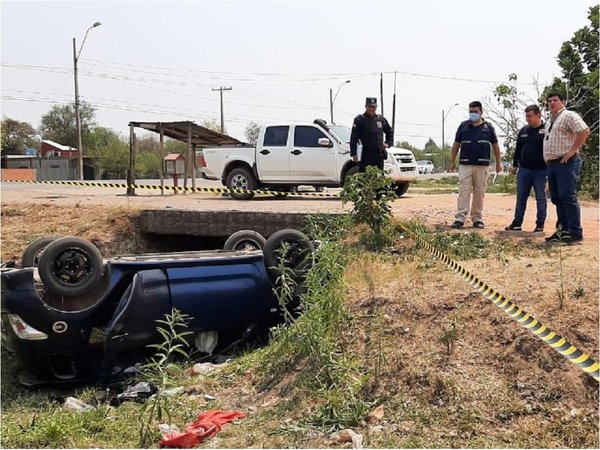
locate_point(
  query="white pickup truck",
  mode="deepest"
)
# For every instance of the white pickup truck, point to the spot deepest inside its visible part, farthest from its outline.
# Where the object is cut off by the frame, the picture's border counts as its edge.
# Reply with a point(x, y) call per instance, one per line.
point(289, 155)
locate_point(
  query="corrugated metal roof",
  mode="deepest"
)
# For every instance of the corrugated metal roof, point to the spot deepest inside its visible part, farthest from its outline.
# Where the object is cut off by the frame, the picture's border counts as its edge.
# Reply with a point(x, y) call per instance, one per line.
point(201, 136)
point(59, 146)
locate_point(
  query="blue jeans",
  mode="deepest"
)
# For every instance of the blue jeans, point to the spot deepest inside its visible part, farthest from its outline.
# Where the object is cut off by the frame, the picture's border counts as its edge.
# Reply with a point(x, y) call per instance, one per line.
point(526, 179)
point(562, 179)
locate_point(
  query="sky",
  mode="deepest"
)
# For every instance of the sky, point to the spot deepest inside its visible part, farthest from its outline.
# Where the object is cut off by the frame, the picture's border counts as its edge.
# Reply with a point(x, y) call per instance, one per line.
point(161, 60)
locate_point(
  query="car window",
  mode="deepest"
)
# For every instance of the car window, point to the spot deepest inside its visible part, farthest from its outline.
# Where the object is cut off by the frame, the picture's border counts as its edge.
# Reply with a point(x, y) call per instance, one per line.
point(306, 136)
point(276, 136)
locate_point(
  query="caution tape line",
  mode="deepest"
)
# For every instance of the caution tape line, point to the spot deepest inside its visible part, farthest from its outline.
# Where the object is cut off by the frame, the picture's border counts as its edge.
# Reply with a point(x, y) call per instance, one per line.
point(523, 318)
point(177, 189)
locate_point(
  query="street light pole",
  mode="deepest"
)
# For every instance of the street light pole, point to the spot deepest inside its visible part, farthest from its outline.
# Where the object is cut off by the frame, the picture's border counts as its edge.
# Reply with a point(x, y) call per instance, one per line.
point(443, 131)
point(332, 100)
point(77, 113)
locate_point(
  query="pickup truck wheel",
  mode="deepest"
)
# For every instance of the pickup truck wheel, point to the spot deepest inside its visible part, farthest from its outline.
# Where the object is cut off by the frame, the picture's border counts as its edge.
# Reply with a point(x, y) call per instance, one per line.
point(245, 240)
point(241, 178)
point(299, 257)
point(352, 171)
point(70, 266)
point(32, 253)
point(401, 188)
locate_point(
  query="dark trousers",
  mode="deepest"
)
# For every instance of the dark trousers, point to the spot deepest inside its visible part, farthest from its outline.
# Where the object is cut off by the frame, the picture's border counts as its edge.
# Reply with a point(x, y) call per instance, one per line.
point(526, 179)
point(562, 180)
point(370, 157)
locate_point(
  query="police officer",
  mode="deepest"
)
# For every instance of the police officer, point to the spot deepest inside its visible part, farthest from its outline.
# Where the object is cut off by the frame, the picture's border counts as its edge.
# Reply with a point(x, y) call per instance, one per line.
point(475, 137)
point(368, 128)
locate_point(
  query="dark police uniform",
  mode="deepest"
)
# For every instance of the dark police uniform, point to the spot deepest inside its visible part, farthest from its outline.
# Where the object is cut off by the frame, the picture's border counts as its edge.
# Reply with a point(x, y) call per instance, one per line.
point(529, 152)
point(475, 143)
point(369, 131)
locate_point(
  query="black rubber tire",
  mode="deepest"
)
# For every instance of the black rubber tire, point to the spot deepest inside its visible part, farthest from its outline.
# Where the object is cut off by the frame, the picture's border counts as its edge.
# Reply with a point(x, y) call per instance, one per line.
point(245, 240)
point(401, 188)
point(241, 178)
point(352, 171)
point(33, 251)
point(301, 248)
point(70, 266)
point(319, 188)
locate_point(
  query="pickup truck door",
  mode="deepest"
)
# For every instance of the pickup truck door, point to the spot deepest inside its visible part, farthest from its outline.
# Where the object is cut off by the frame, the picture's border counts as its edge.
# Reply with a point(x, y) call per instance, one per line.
point(273, 154)
point(310, 161)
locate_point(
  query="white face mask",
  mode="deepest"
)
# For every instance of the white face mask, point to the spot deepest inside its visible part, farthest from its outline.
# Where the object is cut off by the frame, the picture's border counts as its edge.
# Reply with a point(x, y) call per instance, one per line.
point(474, 117)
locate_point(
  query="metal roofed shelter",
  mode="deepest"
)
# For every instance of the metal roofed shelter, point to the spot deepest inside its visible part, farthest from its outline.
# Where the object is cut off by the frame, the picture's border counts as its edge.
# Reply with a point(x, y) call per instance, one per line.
point(194, 135)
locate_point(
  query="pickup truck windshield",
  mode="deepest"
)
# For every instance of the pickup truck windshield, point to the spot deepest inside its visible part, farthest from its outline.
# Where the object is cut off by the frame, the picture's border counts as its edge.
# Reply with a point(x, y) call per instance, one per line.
point(343, 133)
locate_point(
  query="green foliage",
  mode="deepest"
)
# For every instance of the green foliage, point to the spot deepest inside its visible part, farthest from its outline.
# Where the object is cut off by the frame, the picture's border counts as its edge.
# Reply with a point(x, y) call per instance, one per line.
point(461, 245)
point(161, 365)
point(327, 227)
point(371, 192)
point(110, 150)
point(578, 60)
point(212, 124)
point(59, 124)
point(147, 165)
point(17, 136)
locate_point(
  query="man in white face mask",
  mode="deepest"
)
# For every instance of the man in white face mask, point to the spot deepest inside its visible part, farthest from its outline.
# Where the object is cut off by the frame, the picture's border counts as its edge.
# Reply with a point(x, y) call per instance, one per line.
point(475, 138)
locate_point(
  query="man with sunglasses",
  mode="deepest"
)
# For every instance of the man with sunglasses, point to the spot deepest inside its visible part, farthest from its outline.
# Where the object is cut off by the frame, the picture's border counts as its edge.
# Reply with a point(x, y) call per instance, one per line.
point(565, 134)
point(369, 128)
point(475, 138)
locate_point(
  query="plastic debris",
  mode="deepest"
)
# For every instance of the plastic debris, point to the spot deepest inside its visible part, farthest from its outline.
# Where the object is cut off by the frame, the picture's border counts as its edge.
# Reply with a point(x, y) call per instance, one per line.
point(172, 391)
point(74, 404)
point(206, 425)
point(347, 435)
point(209, 397)
point(137, 393)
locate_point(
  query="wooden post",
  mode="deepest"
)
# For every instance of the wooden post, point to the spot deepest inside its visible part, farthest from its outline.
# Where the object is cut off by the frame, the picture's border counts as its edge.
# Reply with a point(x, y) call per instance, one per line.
point(162, 161)
point(188, 160)
point(194, 167)
point(131, 171)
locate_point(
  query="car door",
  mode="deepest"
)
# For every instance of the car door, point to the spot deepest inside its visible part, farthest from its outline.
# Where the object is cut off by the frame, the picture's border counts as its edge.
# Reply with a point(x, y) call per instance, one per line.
point(273, 154)
point(310, 161)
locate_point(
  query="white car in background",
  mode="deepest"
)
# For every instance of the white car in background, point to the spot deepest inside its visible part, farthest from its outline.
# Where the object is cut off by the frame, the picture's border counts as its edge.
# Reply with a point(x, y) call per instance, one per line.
point(425, 167)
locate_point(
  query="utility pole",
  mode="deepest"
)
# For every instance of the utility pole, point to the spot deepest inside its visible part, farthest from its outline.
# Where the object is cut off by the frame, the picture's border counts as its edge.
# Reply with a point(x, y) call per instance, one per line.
point(394, 110)
point(77, 116)
point(221, 89)
point(381, 91)
point(331, 105)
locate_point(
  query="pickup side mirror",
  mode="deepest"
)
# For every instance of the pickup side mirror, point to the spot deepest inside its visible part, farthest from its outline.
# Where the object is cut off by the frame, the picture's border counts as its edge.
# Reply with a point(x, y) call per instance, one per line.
point(325, 142)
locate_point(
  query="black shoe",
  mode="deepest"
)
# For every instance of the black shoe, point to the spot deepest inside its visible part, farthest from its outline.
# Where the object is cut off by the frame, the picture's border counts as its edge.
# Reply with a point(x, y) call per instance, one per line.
point(538, 229)
point(556, 237)
point(478, 224)
point(513, 227)
point(570, 239)
point(457, 224)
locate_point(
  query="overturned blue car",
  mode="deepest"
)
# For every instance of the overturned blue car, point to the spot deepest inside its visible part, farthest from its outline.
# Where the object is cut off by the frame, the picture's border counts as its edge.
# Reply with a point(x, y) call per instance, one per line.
point(74, 316)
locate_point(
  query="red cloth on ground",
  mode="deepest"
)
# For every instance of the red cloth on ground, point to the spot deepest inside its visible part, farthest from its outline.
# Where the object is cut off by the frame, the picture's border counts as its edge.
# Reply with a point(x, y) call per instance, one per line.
point(206, 425)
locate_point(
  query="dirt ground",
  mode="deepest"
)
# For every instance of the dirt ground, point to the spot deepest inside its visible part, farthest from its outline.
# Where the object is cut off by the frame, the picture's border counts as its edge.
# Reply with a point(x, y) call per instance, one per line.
point(501, 386)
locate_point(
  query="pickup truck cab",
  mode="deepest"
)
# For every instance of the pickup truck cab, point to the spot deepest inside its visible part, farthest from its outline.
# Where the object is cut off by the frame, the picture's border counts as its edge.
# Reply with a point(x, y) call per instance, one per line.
point(288, 155)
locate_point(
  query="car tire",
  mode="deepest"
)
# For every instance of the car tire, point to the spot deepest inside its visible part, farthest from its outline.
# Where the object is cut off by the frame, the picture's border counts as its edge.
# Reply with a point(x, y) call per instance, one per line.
point(401, 188)
point(351, 171)
point(241, 178)
point(245, 240)
point(319, 188)
point(301, 252)
point(33, 251)
point(70, 266)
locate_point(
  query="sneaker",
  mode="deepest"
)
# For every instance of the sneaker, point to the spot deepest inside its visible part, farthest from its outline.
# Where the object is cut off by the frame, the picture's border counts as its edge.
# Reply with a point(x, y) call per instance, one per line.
point(478, 224)
point(513, 227)
point(538, 229)
point(457, 224)
point(556, 237)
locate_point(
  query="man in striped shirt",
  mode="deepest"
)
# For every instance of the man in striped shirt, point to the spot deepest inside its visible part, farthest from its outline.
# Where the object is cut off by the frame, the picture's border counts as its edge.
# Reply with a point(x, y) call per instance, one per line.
point(565, 133)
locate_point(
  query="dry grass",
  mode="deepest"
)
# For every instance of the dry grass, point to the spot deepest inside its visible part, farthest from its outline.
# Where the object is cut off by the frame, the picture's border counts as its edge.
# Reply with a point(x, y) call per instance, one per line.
point(498, 387)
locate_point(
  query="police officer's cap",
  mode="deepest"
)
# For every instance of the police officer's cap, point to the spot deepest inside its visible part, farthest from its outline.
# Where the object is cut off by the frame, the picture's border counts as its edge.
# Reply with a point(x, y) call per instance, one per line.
point(371, 101)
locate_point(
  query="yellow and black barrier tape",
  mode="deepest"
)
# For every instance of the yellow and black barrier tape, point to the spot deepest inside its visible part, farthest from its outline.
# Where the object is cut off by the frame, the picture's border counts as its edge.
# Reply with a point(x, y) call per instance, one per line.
point(158, 187)
point(523, 318)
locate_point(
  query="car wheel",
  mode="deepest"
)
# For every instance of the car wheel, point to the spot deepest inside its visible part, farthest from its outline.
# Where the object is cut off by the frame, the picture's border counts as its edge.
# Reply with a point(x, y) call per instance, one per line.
point(299, 257)
point(245, 240)
point(319, 188)
point(70, 266)
point(33, 251)
point(241, 178)
point(352, 171)
point(401, 188)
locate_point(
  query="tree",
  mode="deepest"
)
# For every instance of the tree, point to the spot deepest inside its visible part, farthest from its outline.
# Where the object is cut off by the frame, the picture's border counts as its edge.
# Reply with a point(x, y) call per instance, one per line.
point(251, 133)
point(578, 60)
point(17, 136)
point(212, 124)
point(111, 151)
point(59, 124)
